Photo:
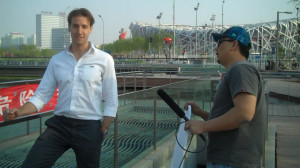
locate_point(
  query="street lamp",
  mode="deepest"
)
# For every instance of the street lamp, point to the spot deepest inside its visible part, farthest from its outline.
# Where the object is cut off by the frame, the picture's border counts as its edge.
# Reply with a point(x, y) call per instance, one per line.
point(65, 26)
point(222, 13)
point(102, 31)
point(212, 19)
point(277, 37)
point(159, 17)
point(174, 31)
point(196, 9)
point(297, 25)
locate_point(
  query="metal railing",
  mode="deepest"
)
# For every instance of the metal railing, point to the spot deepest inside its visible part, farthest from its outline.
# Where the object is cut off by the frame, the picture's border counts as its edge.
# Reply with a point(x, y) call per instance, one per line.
point(137, 98)
point(147, 101)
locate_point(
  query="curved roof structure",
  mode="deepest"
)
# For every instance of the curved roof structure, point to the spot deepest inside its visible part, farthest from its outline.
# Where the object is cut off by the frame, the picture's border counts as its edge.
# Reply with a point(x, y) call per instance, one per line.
point(186, 36)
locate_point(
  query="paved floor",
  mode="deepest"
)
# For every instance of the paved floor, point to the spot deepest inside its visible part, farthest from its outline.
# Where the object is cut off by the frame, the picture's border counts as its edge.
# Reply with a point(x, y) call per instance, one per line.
point(288, 138)
point(286, 117)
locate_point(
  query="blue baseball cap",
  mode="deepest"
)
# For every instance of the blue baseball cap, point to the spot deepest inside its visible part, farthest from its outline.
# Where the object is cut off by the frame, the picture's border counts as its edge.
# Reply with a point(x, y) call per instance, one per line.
point(236, 33)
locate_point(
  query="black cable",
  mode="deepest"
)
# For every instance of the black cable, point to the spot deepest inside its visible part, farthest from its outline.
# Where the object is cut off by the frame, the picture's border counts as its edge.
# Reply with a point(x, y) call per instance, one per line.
point(186, 150)
point(201, 150)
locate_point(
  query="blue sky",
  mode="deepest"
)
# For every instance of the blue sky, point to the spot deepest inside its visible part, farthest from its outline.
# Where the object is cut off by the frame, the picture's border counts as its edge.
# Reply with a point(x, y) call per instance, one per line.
point(19, 15)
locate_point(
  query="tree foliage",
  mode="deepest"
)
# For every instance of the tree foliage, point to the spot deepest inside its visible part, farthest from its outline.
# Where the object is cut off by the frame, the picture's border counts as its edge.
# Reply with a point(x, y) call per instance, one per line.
point(121, 47)
point(26, 51)
point(127, 46)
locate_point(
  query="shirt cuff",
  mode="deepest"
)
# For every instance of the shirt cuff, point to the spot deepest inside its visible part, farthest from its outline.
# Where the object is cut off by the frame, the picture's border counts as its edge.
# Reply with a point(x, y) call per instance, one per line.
point(110, 111)
point(37, 102)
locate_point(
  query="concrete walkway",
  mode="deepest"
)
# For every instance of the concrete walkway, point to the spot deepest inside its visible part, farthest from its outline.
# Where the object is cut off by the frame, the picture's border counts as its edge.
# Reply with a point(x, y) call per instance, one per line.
point(286, 118)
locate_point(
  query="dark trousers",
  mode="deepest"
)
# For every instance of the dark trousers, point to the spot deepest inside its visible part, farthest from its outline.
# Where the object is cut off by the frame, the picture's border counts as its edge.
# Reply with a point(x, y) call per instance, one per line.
point(62, 133)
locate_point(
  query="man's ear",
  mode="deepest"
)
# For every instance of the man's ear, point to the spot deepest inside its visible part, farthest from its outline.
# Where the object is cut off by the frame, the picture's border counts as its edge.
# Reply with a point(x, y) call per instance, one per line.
point(235, 44)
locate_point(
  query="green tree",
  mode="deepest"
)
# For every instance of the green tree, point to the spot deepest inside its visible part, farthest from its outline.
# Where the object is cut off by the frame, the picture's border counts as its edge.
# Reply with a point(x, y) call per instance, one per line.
point(140, 44)
point(127, 45)
point(1, 52)
point(29, 51)
point(48, 52)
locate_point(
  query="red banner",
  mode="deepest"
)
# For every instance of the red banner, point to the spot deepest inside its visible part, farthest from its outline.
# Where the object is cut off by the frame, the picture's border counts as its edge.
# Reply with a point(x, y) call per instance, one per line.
point(16, 96)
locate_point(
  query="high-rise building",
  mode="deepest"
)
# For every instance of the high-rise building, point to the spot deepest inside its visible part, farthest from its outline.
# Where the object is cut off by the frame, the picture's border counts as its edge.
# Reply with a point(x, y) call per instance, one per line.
point(31, 40)
point(60, 39)
point(45, 22)
point(15, 39)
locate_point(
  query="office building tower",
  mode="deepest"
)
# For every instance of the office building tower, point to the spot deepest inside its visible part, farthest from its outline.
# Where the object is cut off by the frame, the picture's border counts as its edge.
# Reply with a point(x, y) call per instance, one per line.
point(31, 40)
point(13, 39)
point(45, 22)
point(60, 39)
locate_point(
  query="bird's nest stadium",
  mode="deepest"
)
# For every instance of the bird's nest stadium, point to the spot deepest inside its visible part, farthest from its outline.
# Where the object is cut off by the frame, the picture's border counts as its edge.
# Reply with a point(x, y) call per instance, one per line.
point(263, 35)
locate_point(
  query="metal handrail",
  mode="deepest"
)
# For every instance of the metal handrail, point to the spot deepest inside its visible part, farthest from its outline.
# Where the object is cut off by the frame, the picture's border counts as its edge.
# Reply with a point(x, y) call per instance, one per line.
point(40, 115)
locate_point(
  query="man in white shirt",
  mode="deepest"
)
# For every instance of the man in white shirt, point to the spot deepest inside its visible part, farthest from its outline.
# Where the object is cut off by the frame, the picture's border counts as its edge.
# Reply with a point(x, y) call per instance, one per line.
point(83, 75)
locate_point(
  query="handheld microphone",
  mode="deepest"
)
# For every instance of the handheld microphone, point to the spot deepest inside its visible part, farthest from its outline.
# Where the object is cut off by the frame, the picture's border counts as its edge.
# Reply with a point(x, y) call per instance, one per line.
point(174, 107)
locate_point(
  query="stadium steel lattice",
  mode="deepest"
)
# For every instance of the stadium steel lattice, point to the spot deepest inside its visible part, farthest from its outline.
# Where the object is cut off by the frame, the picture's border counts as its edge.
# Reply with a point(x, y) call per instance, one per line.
point(264, 32)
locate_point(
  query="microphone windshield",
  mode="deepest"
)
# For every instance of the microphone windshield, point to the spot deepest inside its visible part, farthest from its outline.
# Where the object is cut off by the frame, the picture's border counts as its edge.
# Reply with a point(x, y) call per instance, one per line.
point(171, 103)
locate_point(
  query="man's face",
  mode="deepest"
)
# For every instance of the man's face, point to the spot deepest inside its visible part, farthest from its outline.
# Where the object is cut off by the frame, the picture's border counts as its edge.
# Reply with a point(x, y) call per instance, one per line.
point(80, 30)
point(223, 48)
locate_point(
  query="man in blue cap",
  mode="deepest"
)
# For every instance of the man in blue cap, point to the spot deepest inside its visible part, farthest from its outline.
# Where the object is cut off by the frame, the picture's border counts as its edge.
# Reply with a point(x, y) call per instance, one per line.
point(235, 124)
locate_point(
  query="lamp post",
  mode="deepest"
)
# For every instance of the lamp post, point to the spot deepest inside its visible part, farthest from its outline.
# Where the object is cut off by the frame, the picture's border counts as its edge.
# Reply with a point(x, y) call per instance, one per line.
point(65, 26)
point(277, 37)
point(212, 19)
point(297, 25)
point(174, 33)
point(159, 17)
point(196, 9)
point(222, 13)
point(102, 31)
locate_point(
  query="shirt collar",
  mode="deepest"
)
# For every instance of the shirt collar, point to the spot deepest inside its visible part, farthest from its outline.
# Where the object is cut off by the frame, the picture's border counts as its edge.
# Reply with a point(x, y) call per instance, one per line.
point(92, 49)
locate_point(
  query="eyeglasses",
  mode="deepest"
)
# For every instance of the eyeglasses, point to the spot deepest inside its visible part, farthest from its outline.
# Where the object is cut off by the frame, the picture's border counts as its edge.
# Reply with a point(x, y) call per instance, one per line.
point(221, 41)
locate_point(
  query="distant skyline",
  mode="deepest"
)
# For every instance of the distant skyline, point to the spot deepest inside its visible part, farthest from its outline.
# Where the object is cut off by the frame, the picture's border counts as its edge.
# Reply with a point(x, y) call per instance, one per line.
point(20, 15)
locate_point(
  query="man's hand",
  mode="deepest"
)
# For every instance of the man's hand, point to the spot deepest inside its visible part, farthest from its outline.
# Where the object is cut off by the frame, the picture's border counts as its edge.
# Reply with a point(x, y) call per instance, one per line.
point(196, 110)
point(13, 113)
point(10, 114)
point(195, 126)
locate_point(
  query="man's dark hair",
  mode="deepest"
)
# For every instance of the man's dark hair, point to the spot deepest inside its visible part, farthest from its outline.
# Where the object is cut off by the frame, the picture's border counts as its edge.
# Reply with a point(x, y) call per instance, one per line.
point(245, 50)
point(81, 12)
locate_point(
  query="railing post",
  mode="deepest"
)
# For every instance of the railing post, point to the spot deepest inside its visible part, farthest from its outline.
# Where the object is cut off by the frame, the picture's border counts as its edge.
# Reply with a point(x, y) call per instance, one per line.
point(178, 102)
point(135, 87)
point(203, 95)
point(170, 78)
point(28, 132)
point(154, 125)
point(116, 141)
point(144, 79)
point(134, 81)
point(40, 125)
point(124, 85)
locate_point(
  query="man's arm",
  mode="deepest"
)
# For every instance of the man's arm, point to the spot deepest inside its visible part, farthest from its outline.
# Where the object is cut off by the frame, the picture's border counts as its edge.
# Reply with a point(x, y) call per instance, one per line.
point(242, 112)
point(12, 114)
point(106, 123)
point(110, 94)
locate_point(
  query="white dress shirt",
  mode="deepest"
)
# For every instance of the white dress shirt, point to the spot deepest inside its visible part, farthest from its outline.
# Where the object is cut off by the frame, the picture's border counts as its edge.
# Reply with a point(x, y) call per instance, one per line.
point(82, 84)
